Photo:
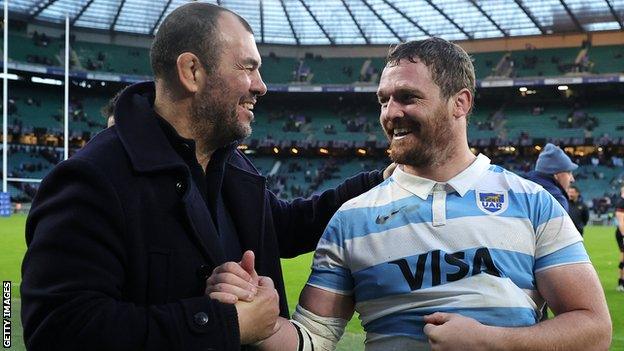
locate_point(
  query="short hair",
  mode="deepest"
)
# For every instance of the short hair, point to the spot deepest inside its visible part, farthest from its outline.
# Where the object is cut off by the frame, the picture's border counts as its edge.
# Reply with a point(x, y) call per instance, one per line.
point(450, 66)
point(189, 28)
point(572, 186)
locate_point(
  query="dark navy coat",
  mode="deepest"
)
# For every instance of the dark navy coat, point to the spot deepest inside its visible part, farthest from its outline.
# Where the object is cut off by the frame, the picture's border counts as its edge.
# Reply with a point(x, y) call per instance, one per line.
point(551, 185)
point(120, 242)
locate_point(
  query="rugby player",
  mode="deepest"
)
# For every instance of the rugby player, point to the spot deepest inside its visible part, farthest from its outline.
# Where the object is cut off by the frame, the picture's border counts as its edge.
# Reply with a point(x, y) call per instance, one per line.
point(450, 252)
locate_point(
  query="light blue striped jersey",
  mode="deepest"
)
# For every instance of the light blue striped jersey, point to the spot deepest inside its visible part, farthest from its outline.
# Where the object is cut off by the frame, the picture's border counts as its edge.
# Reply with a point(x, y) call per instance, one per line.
point(411, 246)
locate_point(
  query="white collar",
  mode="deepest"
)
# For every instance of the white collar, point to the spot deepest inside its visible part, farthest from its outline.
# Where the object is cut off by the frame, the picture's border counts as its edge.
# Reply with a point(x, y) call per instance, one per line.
point(460, 183)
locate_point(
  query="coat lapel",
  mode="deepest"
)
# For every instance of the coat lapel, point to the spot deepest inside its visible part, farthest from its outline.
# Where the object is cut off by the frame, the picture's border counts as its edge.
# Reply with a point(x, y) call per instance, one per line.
point(203, 229)
point(150, 151)
point(244, 193)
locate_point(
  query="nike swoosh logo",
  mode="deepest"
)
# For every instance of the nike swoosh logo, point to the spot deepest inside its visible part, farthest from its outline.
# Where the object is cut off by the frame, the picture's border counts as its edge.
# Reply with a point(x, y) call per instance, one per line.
point(383, 219)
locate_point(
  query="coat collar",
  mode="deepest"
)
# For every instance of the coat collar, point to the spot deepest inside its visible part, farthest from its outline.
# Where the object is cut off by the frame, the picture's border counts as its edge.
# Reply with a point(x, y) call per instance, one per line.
point(143, 136)
point(140, 133)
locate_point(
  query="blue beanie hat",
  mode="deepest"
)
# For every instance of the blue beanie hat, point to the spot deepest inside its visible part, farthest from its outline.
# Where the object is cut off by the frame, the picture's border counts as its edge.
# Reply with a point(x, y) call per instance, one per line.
point(553, 160)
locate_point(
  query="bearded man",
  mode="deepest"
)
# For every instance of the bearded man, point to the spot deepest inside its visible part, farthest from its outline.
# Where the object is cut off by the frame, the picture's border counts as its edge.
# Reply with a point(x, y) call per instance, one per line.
point(450, 252)
point(122, 236)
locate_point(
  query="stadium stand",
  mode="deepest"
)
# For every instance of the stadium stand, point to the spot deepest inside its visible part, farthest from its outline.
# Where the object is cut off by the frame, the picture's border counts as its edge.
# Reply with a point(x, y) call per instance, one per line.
point(39, 48)
point(486, 62)
point(305, 176)
point(113, 58)
point(344, 123)
point(607, 59)
point(41, 113)
point(36, 48)
point(543, 62)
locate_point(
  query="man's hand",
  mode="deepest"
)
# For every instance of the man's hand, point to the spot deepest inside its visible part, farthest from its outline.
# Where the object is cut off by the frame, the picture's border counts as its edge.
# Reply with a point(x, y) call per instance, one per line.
point(231, 281)
point(450, 331)
point(389, 170)
point(257, 320)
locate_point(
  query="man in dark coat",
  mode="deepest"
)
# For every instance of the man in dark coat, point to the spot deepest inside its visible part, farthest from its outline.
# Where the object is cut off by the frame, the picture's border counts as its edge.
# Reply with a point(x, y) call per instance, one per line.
point(553, 171)
point(578, 211)
point(122, 237)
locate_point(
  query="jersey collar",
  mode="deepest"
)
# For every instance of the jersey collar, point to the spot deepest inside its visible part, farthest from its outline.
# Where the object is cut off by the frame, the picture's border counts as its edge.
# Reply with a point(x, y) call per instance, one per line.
point(461, 183)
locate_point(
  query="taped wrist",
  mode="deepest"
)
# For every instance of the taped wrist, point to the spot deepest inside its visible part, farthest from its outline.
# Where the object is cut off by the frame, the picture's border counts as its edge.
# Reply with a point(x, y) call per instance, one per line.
point(317, 333)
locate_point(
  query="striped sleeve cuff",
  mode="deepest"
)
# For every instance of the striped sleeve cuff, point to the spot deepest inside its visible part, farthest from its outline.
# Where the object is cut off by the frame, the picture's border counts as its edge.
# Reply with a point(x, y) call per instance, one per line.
point(570, 254)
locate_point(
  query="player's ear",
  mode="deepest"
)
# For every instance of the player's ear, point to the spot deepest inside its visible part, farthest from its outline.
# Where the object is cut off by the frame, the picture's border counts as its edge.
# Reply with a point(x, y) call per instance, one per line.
point(462, 103)
point(188, 66)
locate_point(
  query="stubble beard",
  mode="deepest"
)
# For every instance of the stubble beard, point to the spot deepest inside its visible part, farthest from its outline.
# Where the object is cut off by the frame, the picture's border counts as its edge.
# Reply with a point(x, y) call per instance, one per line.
point(433, 147)
point(214, 120)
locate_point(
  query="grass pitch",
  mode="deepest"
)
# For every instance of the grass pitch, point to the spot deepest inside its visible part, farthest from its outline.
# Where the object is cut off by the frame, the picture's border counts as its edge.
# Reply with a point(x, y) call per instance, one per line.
point(599, 241)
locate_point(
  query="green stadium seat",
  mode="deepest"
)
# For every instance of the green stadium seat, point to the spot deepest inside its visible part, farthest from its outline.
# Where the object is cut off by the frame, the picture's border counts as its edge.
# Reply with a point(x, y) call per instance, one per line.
point(607, 59)
point(117, 58)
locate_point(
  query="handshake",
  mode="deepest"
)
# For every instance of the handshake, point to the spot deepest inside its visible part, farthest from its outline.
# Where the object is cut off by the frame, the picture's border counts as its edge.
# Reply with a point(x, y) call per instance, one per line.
point(255, 297)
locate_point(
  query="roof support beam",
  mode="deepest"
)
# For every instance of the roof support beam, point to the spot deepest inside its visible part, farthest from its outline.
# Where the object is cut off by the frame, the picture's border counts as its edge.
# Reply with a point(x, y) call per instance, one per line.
point(574, 19)
point(382, 21)
point(162, 14)
point(261, 21)
point(449, 19)
point(357, 24)
point(317, 22)
point(500, 29)
point(530, 16)
point(121, 5)
point(614, 14)
point(82, 10)
point(292, 28)
point(37, 10)
point(409, 19)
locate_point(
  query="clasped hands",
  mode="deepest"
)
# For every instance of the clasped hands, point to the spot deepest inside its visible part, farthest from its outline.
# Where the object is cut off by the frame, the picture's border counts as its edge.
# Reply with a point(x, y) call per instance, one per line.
point(255, 297)
point(257, 305)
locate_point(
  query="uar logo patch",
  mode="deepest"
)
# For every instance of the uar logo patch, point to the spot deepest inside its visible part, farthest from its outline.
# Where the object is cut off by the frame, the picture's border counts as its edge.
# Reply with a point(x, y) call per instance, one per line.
point(492, 202)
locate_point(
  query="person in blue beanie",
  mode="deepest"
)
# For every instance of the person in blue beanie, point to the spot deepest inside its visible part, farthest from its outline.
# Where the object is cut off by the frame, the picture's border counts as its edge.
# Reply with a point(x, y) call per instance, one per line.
point(553, 171)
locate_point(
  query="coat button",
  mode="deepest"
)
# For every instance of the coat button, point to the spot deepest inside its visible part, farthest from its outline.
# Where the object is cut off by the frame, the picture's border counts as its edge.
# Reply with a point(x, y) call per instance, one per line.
point(200, 318)
point(204, 271)
point(180, 187)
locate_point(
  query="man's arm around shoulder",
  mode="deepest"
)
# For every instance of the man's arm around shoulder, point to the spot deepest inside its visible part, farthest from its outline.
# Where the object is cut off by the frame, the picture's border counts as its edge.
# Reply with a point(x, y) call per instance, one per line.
point(309, 217)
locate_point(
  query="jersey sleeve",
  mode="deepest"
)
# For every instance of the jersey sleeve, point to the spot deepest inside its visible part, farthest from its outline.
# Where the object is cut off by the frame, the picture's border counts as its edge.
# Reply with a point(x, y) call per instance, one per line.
point(330, 270)
point(558, 242)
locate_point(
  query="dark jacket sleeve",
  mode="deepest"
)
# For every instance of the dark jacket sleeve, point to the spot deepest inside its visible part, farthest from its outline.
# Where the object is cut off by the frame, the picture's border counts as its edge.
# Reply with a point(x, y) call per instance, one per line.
point(300, 223)
point(585, 214)
point(562, 199)
point(74, 271)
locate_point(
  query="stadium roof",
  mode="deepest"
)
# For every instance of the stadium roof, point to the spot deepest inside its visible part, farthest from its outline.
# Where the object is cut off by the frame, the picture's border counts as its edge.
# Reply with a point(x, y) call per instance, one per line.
point(326, 22)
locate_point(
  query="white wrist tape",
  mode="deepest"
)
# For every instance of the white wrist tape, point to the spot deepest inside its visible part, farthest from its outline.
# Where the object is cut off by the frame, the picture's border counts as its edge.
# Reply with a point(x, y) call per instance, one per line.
point(317, 333)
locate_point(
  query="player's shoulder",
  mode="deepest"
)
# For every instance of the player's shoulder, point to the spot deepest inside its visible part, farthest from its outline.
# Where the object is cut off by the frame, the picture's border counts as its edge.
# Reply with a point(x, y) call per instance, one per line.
point(499, 177)
point(382, 194)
